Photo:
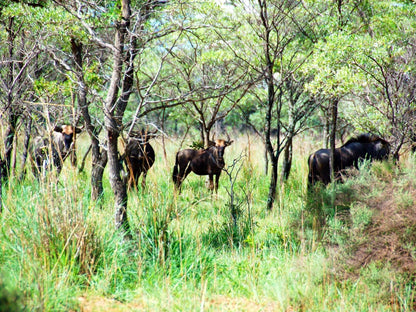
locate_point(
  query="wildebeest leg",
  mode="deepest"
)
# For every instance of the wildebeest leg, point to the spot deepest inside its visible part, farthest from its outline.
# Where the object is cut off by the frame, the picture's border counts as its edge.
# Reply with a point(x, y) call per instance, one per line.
point(217, 178)
point(181, 176)
point(211, 182)
point(311, 182)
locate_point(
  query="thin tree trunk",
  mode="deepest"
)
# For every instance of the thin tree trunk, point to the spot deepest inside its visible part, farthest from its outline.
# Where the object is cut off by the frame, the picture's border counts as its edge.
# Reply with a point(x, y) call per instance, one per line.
point(266, 161)
point(334, 116)
point(84, 159)
point(114, 111)
point(8, 142)
point(269, 146)
point(273, 158)
point(273, 185)
point(99, 157)
point(206, 138)
point(165, 155)
point(99, 161)
point(26, 141)
point(287, 158)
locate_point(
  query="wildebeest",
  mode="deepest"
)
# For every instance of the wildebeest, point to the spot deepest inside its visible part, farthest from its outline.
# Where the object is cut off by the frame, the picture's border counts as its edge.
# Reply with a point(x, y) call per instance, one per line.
point(57, 146)
point(363, 147)
point(209, 161)
point(139, 156)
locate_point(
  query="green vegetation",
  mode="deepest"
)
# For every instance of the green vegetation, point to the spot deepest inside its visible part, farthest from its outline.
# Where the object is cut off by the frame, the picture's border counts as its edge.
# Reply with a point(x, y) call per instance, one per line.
point(60, 251)
point(282, 79)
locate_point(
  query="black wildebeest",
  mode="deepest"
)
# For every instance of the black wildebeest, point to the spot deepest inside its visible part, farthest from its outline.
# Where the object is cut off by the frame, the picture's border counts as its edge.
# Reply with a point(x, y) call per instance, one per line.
point(58, 146)
point(139, 156)
point(209, 161)
point(363, 147)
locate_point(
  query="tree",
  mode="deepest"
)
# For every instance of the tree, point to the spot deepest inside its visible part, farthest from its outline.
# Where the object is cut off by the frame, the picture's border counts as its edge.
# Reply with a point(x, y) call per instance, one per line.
point(18, 57)
point(115, 105)
point(334, 79)
point(280, 29)
point(132, 33)
point(384, 102)
point(99, 155)
point(214, 81)
point(200, 75)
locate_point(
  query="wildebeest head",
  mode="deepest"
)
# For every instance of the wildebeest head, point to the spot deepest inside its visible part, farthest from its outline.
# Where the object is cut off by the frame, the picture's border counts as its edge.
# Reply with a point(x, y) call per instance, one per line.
point(139, 156)
point(218, 151)
point(53, 149)
point(67, 132)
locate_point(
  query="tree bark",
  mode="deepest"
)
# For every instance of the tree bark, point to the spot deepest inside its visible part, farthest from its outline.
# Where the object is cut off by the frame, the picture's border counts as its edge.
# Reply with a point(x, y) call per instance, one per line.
point(266, 161)
point(274, 158)
point(99, 156)
point(271, 93)
point(98, 163)
point(26, 142)
point(114, 111)
point(334, 117)
point(273, 186)
point(12, 117)
point(8, 141)
point(287, 159)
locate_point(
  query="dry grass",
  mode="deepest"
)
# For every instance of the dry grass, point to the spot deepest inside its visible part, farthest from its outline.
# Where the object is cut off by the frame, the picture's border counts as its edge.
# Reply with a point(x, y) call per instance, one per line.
point(389, 240)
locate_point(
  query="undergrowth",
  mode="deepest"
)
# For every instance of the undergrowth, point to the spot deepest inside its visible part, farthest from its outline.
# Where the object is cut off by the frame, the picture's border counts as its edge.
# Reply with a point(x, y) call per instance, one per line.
point(203, 251)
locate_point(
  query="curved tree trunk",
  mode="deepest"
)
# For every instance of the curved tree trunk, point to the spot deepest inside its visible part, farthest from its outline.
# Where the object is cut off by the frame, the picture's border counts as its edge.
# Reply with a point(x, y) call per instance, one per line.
point(99, 161)
point(99, 156)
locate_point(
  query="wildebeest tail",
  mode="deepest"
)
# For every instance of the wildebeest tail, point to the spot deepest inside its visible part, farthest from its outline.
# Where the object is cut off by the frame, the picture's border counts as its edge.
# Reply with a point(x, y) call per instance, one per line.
point(175, 170)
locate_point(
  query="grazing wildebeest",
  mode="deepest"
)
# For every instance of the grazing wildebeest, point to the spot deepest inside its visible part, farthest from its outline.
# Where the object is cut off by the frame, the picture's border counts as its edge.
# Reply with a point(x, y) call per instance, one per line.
point(363, 147)
point(57, 146)
point(139, 156)
point(209, 161)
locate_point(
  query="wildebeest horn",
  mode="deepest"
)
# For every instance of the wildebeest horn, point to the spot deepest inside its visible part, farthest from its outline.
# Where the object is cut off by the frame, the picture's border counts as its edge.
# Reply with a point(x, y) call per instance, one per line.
point(227, 143)
point(228, 137)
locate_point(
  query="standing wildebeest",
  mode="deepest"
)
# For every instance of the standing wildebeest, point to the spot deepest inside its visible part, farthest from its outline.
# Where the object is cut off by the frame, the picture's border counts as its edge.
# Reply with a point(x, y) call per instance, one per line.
point(139, 157)
point(58, 145)
point(208, 161)
point(364, 147)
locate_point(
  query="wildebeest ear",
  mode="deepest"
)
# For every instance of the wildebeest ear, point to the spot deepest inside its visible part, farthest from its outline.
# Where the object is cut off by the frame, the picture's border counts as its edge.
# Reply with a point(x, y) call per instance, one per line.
point(211, 143)
point(78, 130)
point(229, 142)
point(58, 129)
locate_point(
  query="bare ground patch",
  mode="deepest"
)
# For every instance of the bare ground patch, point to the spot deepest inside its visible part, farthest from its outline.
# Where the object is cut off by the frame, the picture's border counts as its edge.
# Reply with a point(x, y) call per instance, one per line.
point(390, 238)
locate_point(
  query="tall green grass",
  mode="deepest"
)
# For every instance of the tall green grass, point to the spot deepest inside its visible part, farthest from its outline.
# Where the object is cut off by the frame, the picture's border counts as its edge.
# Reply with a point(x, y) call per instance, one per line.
point(193, 251)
